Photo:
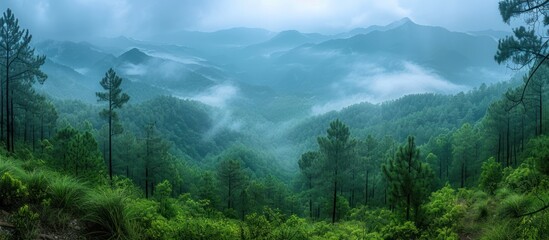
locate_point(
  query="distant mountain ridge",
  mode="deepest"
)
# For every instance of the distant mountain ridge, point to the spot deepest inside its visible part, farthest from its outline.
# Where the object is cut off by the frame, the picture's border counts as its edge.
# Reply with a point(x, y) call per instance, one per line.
point(289, 64)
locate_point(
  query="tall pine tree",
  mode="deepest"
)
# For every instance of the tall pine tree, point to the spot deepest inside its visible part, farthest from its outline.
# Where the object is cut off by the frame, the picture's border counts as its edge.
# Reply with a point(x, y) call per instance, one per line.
point(409, 179)
point(115, 99)
point(337, 149)
point(20, 69)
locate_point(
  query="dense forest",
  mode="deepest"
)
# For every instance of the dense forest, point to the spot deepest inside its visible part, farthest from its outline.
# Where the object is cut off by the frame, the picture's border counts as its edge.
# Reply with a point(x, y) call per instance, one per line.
point(470, 165)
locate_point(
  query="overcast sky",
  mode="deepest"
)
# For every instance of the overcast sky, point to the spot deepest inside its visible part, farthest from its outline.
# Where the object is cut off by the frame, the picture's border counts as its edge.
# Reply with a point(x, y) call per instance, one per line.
point(80, 19)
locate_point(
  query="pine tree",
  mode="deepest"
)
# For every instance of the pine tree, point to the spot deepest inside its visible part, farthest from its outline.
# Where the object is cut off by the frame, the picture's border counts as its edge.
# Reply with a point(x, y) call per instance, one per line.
point(308, 166)
point(337, 149)
point(409, 179)
point(20, 70)
point(230, 173)
point(115, 99)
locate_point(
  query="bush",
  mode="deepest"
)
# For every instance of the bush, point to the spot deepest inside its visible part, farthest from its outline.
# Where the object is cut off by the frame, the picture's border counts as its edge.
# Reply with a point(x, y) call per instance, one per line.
point(373, 220)
point(395, 230)
point(37, 185)
point(258, 225)
point(12, 191)
point(294, 228)
point(523, 179)
point(491, 175)
point(443, 210)
point(108, 215)
point(163, 195)
point(538, 150)
point(206, 228)
point(26, 223)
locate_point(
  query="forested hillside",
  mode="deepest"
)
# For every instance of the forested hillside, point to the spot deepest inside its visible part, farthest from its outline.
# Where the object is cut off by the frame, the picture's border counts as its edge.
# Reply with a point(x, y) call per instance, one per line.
point(204, 151)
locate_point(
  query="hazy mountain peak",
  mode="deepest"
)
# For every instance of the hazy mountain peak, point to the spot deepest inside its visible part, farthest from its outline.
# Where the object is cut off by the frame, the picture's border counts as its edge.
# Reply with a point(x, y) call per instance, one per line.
point(134, 56)
point(401, 22)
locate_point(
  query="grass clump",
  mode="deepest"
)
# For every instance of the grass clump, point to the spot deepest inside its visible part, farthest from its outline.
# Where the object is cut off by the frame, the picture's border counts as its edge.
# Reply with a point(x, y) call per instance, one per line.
point(66, 193)
point(514, 206)
point(108, 215)
point(38, 184)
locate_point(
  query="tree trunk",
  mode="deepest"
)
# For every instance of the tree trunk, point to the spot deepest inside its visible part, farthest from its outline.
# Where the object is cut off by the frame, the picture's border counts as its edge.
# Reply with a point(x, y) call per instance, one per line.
point(408, 206)
point(146, 182)
point(462, 174)
point(366, 192)
point(334, 201)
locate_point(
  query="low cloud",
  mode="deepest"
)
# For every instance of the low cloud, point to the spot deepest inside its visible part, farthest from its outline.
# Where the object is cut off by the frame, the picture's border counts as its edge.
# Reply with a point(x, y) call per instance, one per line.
point(217, 96)
point(373, 83)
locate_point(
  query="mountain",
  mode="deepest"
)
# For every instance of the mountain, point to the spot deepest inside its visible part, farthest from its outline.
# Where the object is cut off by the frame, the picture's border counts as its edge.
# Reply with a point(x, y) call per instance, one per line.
point(372, 28)
point(262, 69)
point(422, 58)
point(78, 56)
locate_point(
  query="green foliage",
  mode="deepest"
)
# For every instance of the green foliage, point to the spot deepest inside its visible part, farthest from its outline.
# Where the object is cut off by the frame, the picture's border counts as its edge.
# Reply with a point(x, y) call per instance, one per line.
point(12, 190)
point(443, 212)
point(108, 215)
point(163, 194)
point(337, 150)
point(37, 183)
point(523, 179)
point(501, 231)
point(538, 150)
point(259, 226)
point(409, 179)
point(294, 228)
point(66, 193)
point(373, 220)
point(491, 175)
point(514, 206)
point(207, 228)
point(400, 231)
point(26, 223)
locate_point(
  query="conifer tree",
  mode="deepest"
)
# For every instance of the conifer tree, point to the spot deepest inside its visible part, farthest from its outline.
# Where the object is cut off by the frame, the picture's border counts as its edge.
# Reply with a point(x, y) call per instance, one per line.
point(20, 69)
point(115, 99)
point(337, 149)
point(409, 179)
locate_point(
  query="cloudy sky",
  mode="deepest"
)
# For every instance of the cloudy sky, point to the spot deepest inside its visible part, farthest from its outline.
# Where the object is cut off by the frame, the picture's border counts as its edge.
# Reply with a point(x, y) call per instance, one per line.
point(142, 18)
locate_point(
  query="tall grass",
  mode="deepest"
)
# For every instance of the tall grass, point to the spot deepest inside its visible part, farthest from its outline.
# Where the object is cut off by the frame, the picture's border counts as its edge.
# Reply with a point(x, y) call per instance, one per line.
point(501, 231)
point(38, 183)
point(8, 165)
point(514, 206)
point(108, 215)
point(66, 193)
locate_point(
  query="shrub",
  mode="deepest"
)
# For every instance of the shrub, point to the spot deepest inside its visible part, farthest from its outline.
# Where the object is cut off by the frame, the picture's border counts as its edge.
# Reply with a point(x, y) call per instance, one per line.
point(163, 193)
point(108, 215)
point(395, 230)
point(207, 228)
point(443, 209)
point(491, 175)
point(25, 222)
point(538, 150)
point(37, 185)
point(523, 179)
point(258, 225)
point(12, 191)
point(293, 228)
